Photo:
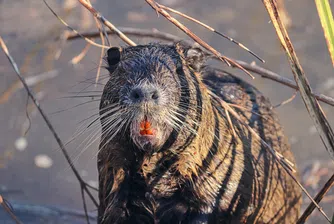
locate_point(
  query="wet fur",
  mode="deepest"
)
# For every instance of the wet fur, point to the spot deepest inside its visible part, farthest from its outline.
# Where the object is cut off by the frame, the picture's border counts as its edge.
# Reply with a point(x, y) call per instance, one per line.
point(200, 174)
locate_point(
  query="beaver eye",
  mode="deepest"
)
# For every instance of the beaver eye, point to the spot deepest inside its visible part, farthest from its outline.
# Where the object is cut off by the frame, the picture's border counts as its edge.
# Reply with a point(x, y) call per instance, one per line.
point(114, 56)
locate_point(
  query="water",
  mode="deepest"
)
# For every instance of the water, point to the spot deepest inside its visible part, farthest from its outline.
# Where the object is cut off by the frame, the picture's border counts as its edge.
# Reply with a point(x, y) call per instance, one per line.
point(30, 31)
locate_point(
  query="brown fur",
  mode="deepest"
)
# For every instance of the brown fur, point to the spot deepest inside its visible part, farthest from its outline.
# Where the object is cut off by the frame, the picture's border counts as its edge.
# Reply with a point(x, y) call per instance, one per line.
point(207, 177)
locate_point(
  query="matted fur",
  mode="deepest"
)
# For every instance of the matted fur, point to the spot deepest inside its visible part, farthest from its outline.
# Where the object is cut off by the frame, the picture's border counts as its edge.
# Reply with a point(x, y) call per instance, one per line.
point(194, 171)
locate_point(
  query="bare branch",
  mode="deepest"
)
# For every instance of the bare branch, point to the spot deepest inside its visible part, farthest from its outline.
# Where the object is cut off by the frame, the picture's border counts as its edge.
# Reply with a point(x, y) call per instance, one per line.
point(84, 205)
point(312, 105)
point(69, 27)
point(47, 121)
point(186, 30)
point(265, 73)
point(98, 15)
point(317, 198)
point(7, 208)
point(211, 29)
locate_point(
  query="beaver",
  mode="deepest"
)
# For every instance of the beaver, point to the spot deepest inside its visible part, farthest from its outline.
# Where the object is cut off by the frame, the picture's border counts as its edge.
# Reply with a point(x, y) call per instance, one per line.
point(168, 154)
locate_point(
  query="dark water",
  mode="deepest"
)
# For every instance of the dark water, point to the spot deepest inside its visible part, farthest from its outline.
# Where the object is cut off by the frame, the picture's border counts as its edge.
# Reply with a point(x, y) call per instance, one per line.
point(30, 30)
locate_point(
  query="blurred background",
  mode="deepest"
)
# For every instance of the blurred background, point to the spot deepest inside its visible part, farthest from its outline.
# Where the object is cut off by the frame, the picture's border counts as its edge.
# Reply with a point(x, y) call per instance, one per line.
point(32, 167)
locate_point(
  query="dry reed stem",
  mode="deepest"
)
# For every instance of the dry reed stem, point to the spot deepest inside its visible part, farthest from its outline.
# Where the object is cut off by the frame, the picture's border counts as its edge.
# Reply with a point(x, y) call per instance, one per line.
point(317, 198)
point(186, 30)
point(47, 121)
point(8, 209)
point(90, 42)
point(69, 27)
point(153, 33)
point(100, 27)
point(311, 103)
point(327, 23)
point(108, 24)
point(101, 31)
point(264, 73)
point(211, 29)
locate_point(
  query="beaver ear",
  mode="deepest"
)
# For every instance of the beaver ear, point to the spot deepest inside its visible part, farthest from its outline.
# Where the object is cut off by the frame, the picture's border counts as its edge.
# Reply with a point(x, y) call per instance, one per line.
point(195, 58)
point(113, 58)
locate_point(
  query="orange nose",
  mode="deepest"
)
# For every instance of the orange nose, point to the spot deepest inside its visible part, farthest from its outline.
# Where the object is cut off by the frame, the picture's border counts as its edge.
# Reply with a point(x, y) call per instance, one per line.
point(145, 128)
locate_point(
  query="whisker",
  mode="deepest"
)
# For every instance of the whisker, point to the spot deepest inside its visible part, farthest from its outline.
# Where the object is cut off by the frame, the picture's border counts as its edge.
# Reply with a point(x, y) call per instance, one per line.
point(110, 124)
point(82, 96)
point(70, 108)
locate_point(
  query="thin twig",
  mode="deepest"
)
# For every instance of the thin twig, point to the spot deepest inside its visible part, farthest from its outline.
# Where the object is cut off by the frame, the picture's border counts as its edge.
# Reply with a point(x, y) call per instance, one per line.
point(234, 134)
point(101, 31)
point(104, 31)
point(8, 209)
point(186, 30)
point(284, 162)
point(311, 103)
point(108, 24)
point(84, 205)
point(211, 29)
point(69, 27)
point(31, 81)
point(265, 73)
point(47, 121)
point(287, 100)
point(82, 54)
point(97, 75)
point(317, 198)
point(93, 188)
point(153, 33)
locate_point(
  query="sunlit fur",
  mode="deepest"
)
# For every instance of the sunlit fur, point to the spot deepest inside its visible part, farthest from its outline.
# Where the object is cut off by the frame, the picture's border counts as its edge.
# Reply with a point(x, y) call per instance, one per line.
point(192, 170)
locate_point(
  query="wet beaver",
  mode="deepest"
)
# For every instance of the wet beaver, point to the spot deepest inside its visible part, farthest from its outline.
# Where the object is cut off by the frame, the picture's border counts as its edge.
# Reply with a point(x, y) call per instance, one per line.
point(167, 152)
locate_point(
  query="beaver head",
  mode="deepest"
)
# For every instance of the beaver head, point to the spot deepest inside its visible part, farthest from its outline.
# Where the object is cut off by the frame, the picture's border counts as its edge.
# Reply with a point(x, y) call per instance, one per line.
point(144, 98)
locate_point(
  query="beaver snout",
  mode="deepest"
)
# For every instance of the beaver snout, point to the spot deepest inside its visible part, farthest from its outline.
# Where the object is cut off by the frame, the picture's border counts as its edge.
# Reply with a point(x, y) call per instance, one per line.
point(144, 94)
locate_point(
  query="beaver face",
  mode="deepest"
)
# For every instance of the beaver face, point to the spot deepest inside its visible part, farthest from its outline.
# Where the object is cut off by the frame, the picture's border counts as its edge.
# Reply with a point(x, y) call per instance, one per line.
point(142, 96)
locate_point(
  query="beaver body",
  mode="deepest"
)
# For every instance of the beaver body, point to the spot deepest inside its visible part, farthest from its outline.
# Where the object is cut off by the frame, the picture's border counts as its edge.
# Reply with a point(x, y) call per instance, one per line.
point(189, 167)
